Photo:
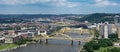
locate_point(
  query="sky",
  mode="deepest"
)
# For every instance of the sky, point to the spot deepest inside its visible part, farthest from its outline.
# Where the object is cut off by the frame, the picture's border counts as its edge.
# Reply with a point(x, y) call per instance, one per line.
point(59, 6)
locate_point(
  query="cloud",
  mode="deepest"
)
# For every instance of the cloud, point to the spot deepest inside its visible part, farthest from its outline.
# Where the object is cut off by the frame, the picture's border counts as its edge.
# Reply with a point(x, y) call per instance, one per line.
point(102, 3)
point(64, 3)
point(14, 2)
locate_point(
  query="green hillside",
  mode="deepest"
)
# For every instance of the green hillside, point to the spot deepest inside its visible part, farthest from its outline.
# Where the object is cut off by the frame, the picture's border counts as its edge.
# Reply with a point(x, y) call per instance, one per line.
point(96, 18)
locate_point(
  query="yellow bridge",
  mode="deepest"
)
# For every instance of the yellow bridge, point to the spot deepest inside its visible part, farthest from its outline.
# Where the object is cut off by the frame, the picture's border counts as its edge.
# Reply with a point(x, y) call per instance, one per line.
point(81, 30)
point(65, 37)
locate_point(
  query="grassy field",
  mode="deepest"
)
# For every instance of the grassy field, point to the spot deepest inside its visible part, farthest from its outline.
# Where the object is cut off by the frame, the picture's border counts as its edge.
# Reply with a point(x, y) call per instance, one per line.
point(7, 46)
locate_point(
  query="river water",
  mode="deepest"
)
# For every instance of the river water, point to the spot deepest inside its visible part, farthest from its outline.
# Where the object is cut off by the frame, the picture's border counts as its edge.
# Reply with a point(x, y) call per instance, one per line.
point(53, 45)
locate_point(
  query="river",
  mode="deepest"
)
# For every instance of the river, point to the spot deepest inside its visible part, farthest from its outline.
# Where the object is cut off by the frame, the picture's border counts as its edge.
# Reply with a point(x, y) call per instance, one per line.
point(53, 46)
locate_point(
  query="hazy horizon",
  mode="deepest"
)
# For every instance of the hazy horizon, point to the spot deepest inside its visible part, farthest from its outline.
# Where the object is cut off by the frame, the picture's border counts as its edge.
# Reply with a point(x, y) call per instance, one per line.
point(57, 14)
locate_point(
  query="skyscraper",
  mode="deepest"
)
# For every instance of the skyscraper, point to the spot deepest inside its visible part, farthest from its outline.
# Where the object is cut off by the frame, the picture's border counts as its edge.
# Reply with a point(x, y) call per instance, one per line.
point(105, 30)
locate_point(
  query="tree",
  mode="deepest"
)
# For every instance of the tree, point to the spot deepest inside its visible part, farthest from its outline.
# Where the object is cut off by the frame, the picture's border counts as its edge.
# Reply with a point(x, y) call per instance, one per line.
point(96, 44)
point(88, 47)
point(115, 49)
point(113, 37)
point(96, 33)
point(105, 42)
point(91, 46)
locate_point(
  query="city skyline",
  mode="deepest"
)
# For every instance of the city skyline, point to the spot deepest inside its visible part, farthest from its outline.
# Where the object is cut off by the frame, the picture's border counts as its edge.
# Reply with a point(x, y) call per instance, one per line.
point(59, 6)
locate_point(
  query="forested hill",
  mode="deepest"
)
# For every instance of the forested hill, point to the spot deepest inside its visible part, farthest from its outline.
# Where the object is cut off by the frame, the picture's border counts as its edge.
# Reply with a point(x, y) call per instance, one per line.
point(96, 18)
point(99, 17)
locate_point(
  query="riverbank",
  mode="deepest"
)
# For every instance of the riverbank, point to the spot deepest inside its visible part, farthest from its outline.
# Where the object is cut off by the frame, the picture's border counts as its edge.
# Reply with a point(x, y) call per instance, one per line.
point(80, 49)
point(8, 47)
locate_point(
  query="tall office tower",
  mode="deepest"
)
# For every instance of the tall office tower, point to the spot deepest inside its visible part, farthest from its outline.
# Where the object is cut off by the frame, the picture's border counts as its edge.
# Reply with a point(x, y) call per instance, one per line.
point(101, 31)
point(105, 30)
point(117, 19)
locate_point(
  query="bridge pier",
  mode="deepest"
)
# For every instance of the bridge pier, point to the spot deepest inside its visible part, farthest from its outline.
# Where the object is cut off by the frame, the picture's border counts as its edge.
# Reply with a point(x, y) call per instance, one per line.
point(71, 42)
point(40, 41)
point(79, 42)
point(46, 41)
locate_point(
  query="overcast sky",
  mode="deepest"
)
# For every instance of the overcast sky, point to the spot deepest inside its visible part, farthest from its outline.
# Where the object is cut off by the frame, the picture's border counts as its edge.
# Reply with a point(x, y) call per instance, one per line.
point(59, 6)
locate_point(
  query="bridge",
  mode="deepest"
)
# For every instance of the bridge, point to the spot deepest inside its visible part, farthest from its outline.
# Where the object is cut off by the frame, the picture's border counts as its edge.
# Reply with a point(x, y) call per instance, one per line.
point(64, 37)
point(81, 30)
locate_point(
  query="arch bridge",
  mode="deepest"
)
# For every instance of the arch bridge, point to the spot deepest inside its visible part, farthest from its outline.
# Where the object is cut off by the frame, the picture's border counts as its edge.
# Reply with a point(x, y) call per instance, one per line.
point(64, 37)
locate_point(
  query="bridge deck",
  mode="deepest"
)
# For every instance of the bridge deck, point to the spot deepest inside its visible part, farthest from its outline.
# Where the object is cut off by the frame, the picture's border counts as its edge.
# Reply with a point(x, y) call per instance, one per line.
point(59, 38)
